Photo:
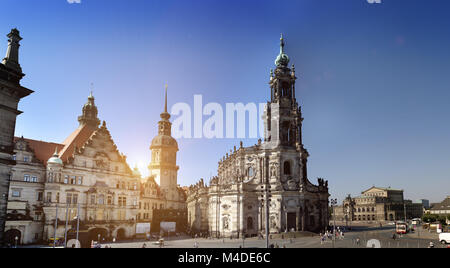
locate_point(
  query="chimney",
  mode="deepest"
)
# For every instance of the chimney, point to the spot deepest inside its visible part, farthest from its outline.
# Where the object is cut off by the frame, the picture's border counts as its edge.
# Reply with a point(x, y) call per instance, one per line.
point(12, 54)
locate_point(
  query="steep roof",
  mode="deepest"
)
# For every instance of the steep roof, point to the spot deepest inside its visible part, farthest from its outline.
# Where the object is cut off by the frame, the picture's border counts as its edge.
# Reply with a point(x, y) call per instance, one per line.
point(77, 139)
point(42, 150)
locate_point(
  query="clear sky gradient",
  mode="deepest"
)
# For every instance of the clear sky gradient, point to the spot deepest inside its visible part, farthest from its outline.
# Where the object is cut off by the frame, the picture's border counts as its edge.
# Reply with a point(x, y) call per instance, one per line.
point(373, 78)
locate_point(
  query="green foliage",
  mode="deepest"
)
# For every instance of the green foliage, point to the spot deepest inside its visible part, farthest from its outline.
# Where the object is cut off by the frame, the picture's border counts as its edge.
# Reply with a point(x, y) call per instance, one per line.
point(431, 218)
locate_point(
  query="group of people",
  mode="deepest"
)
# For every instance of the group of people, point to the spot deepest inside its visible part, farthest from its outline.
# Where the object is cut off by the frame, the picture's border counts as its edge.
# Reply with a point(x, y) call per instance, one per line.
point(328, 235)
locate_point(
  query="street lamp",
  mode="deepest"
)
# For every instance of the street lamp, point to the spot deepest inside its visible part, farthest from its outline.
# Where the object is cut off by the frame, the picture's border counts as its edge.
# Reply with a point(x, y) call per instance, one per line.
point(333, 204)
point(17, 239)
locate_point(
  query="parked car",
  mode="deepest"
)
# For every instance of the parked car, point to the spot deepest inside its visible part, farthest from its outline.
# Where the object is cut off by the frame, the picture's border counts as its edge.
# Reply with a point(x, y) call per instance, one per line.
point(444, 238)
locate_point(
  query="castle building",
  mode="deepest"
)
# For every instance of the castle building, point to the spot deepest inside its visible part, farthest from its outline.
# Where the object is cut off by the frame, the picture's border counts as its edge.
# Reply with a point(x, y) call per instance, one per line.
point(378, 204)
point(85, 176)
point(11, 92)
point(234, 202)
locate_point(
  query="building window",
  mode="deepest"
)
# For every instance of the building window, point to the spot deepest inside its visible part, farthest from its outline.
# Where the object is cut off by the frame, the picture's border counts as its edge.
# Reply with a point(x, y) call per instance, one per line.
point(80, 180)
point(101, 199)
point(40, 196)
point(57, 197)
point(75, 199)
point(34, 179)
point(26, 159)
point(73, 180)
point(49, 197)
point(26, 178)
point(15, 193)
point(14, 157)
point(110, 200)
point(68, 198)
point(50, 177)
point(122, 201)
point(66, 179)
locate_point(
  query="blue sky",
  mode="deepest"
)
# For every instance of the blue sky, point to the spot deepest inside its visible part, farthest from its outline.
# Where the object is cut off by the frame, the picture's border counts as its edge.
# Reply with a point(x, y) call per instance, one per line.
point(374, 78)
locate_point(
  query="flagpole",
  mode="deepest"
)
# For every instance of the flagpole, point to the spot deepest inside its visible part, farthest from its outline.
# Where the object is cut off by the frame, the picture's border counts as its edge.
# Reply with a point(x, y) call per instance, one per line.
point(67, 221)
point(56, 227)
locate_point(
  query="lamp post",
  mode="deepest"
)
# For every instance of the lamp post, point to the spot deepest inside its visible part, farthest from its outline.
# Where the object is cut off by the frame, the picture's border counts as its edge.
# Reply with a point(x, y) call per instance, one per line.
point(333, 204)
point(16, 239)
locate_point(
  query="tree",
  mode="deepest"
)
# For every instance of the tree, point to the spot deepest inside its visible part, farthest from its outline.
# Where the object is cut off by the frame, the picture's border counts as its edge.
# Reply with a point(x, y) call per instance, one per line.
point(429, 218)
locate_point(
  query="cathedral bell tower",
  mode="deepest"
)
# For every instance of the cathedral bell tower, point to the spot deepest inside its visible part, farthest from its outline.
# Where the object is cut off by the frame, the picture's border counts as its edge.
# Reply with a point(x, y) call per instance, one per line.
point(283, 116)
point(164, 149)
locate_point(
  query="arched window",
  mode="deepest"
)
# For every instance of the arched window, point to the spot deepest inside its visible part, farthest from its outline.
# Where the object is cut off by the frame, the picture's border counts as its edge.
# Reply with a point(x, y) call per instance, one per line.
point(287, 168)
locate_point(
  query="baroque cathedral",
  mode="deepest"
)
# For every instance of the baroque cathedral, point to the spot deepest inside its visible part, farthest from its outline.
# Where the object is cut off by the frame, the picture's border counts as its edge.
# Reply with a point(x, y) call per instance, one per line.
point(273, 172)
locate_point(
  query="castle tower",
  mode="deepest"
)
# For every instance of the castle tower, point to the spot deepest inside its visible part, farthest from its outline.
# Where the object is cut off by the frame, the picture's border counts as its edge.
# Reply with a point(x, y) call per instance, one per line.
point(11, 92)
point(89, 116)
point(164, 149)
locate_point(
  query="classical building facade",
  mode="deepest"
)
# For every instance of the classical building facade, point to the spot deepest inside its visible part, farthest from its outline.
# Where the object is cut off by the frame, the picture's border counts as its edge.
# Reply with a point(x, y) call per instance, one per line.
point(442, 209)
point(11, 92)
point(85, 176)
point(378, 204)
point(234, 202)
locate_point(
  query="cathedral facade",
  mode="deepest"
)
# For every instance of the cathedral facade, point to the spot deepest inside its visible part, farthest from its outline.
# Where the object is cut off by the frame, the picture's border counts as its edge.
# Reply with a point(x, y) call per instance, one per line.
point(265, 183)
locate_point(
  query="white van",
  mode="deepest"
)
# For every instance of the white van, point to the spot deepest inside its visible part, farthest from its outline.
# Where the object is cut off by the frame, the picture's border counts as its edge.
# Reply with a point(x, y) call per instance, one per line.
point(444, 238)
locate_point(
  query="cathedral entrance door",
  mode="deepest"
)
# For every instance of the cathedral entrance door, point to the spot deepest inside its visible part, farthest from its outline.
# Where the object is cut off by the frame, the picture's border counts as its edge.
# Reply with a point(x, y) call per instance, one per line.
point(291, 221)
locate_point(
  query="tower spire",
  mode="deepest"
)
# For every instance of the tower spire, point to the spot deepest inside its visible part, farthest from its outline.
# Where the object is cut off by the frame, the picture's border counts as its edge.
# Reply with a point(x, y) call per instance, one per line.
point(165, 116)
point(281, 44)
point(11, 59)
point(282, 59)
point(165, 103)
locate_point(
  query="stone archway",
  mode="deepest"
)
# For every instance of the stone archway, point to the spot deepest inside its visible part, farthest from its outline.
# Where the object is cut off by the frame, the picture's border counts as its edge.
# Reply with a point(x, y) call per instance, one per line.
point(96, 233)
point(11, 235)
point(291, 221)
point(121, 234)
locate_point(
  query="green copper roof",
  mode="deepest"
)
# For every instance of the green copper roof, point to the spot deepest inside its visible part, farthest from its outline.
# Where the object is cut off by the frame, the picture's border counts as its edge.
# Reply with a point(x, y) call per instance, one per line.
point(282, 59)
